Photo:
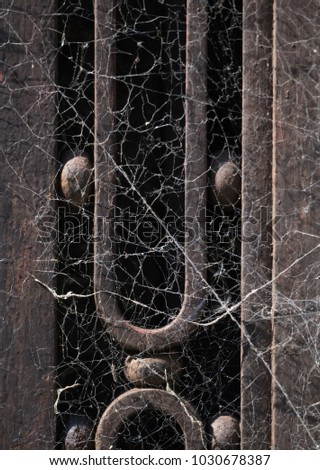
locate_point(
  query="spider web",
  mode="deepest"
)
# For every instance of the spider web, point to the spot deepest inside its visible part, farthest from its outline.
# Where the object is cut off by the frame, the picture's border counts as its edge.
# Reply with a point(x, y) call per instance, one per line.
point(116, 103)
point(149, 44)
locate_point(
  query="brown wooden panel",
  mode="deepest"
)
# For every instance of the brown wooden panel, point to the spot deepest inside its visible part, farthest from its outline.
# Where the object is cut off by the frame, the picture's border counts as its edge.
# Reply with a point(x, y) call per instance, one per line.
point(27, 172)
point(296, 286)
point(256, 215)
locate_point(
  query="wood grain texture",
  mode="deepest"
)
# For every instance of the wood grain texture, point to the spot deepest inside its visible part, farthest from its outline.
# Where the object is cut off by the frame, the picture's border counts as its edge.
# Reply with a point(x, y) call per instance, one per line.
point(256, 215)
point(27, 347)
point(296, 286)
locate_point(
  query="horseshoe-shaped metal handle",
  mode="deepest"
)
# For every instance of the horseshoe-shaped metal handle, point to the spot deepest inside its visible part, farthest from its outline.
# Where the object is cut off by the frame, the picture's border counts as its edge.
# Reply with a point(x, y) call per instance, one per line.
point(127, 334)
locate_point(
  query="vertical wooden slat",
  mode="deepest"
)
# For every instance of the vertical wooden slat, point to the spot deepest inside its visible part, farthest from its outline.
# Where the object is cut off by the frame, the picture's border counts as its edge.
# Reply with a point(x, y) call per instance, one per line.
point(296, 286)
point(256, 219)
point(26, 253)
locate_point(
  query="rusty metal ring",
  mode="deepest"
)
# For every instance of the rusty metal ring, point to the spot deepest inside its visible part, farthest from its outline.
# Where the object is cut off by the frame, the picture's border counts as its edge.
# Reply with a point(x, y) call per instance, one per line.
point(130, 403)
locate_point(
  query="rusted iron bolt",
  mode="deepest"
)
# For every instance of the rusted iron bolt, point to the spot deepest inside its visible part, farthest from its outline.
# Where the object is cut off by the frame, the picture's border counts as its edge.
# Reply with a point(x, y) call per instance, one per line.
point(153, 371)
point(225, 432)
point(228, 185)
point(79, 434)
point(76, 180)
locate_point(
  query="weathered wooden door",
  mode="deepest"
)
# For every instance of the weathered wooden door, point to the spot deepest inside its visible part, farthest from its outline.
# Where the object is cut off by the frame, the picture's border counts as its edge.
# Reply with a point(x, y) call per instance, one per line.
point(145, 303)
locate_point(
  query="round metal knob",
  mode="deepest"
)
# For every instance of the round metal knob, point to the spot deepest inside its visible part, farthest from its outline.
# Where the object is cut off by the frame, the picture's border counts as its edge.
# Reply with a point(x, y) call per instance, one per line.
point(225, 433)
point(76, 177)
point(154, 372)
point(79, 434)
point(228, 184)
